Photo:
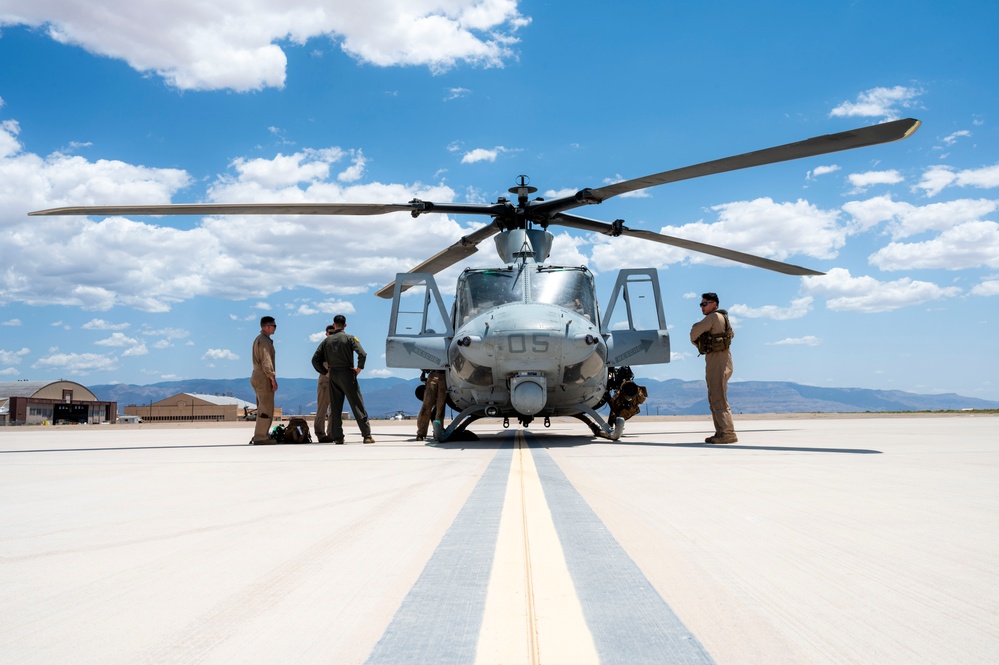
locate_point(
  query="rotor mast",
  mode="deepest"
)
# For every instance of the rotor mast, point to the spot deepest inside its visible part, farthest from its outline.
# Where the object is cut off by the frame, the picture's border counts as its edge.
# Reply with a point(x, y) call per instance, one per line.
point(519, 240)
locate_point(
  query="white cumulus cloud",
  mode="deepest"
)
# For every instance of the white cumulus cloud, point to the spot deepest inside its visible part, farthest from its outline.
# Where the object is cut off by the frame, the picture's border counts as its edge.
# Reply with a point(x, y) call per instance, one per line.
point(968, 245)
point(101, 324)
point(863, 181)
point(480, 155)
point(807, 340)
point(937, 178)
point(885, 103)
point(846, 293)
point(76, 364)
point(798, 308)
point(762, 227)
point(117, 339)
point(906, 219)
point(989, 287)
point(219, 354)
point(13, 357)
point(229, 44)
point(152, 266)
point(819, 171)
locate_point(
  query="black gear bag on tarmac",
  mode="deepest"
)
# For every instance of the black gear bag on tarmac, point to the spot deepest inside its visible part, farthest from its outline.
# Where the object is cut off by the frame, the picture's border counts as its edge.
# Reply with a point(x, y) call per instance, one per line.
point(297, 431)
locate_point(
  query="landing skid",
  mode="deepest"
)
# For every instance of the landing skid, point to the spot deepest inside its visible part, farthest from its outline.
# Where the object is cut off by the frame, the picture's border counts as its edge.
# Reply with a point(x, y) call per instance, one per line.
point(600, 427)
point(458, 425)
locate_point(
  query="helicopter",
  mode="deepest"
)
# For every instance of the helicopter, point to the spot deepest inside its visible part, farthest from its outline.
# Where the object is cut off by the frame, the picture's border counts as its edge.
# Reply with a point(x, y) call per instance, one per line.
point(527, 339)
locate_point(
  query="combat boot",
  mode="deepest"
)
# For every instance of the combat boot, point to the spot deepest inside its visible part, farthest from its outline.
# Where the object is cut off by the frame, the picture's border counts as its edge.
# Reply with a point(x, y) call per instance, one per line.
point(722, 438)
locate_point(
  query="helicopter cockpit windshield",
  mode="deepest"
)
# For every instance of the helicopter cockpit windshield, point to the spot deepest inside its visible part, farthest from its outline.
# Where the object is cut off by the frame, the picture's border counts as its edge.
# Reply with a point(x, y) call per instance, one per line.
point(484, 289)
point(571, 288)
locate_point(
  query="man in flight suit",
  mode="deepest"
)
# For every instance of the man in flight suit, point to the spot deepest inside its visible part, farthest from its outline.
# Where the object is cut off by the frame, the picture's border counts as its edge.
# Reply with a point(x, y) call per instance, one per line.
point(323, 422)
point(337, 351)
point(714, 327)
point(264, 380)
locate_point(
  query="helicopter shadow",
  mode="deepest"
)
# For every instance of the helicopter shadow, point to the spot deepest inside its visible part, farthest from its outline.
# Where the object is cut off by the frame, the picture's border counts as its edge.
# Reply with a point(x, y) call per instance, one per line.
point(552, 440)
point(482, 442)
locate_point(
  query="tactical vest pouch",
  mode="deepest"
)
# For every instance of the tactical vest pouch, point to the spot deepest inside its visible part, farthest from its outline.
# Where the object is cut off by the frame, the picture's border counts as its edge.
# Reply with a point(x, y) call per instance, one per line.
point(719, 342)
point(708, 343)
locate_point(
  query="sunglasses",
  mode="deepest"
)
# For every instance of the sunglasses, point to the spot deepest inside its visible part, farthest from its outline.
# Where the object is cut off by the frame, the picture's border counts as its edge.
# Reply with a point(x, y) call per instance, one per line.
point(705, 304)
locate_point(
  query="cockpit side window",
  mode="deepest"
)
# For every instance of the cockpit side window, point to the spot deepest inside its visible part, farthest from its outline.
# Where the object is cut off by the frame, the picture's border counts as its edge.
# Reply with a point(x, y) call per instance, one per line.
point(572, 289)
point(479, 291)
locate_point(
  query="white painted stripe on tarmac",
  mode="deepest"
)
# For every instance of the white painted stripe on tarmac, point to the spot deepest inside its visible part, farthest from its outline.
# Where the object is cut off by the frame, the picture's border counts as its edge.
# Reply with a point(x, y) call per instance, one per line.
point(532, 613)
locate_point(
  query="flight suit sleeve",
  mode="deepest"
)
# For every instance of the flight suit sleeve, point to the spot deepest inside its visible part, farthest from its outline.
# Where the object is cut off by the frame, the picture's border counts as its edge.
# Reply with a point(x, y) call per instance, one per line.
point(699, 328)
point(263, 357)
point(318, 358)
point(359, 350)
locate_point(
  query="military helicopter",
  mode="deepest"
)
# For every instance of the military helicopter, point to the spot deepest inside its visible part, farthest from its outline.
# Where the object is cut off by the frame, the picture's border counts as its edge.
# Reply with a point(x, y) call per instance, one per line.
point(527, 339)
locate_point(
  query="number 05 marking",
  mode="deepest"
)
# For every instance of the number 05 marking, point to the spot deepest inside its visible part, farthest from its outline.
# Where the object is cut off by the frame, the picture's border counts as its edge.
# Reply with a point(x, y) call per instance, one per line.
point(539, 343)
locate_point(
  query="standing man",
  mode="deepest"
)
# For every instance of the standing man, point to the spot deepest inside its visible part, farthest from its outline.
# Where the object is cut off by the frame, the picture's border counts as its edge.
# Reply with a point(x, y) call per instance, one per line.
point(434, 398)
point(712, 336)
point(337, 352)
point(264, 380)
point(323, 422)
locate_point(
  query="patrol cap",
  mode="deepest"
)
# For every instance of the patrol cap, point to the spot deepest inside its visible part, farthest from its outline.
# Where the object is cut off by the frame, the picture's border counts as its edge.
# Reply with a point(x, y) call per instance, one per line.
point(710, 297)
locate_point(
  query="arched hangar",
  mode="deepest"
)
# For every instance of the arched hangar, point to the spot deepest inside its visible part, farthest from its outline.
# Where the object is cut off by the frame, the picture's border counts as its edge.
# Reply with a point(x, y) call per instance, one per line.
point(54, 402)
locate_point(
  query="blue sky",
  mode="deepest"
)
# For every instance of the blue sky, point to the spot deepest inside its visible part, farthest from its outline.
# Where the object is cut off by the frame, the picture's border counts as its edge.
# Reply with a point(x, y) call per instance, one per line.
point(124, 103)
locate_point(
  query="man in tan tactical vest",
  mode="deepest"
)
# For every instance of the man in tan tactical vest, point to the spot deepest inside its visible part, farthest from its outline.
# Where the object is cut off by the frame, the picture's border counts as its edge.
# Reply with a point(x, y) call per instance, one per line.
point(712, 336)
point(264, 380)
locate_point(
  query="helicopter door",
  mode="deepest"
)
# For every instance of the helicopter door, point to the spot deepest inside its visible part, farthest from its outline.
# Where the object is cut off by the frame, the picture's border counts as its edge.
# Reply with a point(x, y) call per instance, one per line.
point(419, 327)
point(637, 335)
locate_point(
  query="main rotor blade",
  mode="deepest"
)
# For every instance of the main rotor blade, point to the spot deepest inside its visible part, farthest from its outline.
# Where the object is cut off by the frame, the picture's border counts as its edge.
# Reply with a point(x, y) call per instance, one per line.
point(447, 257)
point(416, 207)
point(235, 209)
point(730, 254)
point(819, 145)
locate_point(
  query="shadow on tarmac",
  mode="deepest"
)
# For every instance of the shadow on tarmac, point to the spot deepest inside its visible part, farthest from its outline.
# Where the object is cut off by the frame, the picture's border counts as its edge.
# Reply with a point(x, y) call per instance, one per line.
point(551, 440)
point(89, 450)
point(495, 441)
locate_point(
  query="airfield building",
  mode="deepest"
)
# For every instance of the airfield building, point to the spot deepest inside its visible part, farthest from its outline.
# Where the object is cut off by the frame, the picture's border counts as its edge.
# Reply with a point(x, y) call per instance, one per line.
point(52, 402)
point(188, 407)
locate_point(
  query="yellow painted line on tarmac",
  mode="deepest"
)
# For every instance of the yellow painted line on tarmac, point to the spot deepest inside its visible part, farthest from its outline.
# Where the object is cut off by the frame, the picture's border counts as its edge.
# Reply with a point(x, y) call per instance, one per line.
point(532, 613)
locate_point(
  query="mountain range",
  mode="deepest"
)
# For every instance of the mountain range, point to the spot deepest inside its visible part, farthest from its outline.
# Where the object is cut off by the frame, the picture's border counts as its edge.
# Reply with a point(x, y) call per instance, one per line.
point(386, 397)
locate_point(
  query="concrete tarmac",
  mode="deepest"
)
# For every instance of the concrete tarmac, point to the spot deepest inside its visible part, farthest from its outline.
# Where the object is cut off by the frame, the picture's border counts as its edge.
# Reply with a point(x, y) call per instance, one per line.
point(813, 540)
